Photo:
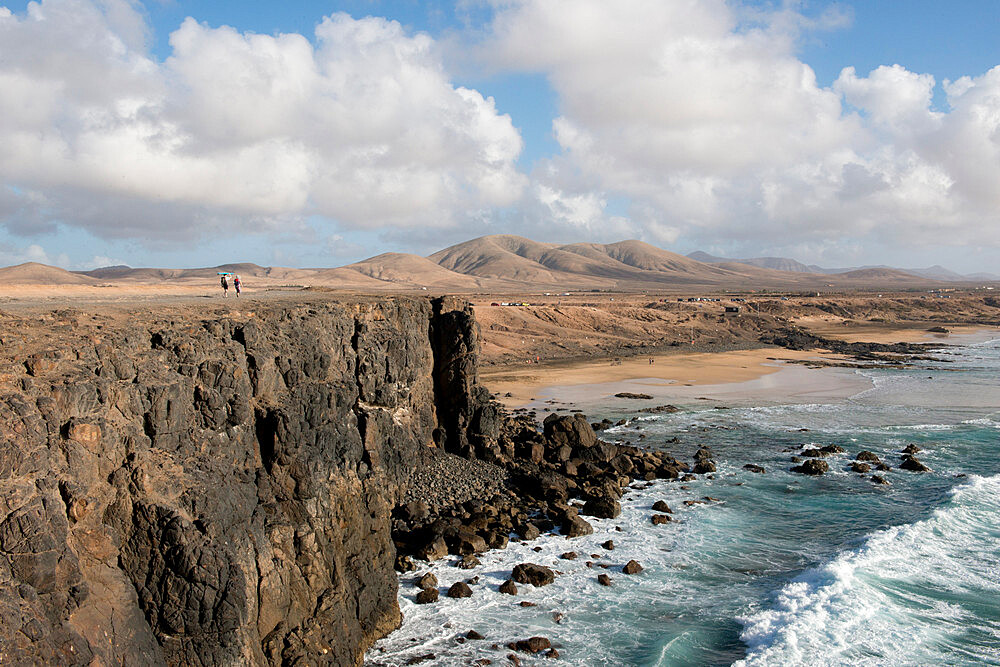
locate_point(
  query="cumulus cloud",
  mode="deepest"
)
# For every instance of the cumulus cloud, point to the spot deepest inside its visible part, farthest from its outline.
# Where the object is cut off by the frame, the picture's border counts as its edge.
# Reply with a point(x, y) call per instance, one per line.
point(361, 125)
point(703, 116)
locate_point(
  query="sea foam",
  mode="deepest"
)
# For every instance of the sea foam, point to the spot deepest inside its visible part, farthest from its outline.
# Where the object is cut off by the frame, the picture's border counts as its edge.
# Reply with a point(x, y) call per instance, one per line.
point(926, 592)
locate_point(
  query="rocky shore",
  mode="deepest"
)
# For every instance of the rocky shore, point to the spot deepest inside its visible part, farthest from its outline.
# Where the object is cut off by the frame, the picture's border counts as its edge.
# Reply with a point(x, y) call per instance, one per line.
point(192, 486)
point(556, 477)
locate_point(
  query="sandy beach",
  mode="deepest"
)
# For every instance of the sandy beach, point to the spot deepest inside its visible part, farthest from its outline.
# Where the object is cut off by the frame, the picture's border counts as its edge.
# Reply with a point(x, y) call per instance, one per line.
point(741, 376)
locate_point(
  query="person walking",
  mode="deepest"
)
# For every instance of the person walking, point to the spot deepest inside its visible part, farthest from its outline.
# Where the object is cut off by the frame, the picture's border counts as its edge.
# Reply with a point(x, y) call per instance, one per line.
point(238, 284)
point(225, 284)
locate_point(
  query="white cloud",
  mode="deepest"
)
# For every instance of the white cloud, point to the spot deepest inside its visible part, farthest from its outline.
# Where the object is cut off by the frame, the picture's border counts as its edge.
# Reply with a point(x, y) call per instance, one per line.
point(10, 255)
point(363, 126)
point(701, 113)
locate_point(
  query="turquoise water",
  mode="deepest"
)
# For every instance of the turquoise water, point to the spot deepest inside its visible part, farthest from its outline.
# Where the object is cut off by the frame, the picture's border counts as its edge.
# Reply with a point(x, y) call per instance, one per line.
point(782, 568)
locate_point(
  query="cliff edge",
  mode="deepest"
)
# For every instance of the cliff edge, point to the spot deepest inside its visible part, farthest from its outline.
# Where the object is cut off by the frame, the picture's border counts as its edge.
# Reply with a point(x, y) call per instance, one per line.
point(181, 486)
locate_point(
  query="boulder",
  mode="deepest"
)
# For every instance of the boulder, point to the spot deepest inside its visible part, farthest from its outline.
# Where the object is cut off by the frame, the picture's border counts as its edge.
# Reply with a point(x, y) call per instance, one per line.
point(435, 549)
point(865, 455)
point(703, 467)
point(634, 396)
point(609, 545)
point(533, 645)
point(573, 431)
point(660, 519)
point(910, 449)
point(429, 580)
point(473, 635)
point(753, 467)
point(913, 464)
point(878, 479)
point(661, 506)
point(530, 573)
point(467, 541)
point(575, 526)
point(427, 596)
point(814, 452)
point(404, 563)
point(460, 589)
point(508, 587)
point(468, 562)
point(812, 467)
point(858, 466)
point(632, 567)
point(603, 579)
point(569, 555)
point(604, 507)
point(529, 531)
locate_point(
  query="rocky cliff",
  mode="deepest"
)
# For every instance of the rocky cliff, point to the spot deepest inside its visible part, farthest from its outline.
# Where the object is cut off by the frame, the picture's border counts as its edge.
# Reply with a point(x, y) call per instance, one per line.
point(191, 487)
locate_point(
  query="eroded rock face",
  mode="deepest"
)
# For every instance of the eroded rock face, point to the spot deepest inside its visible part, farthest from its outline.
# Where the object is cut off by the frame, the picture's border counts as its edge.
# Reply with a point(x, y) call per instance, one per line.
point(194, 487)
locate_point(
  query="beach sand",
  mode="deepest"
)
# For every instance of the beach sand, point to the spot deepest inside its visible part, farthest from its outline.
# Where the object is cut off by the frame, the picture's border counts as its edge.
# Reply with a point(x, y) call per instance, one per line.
point(670, 376)
point(739, 377)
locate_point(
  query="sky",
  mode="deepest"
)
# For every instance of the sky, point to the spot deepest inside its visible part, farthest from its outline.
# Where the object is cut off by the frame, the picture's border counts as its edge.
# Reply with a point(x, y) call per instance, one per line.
point(181, 133)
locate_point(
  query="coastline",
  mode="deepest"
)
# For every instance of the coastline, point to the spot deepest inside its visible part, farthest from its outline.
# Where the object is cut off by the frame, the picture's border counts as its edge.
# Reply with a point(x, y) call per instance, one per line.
point(761, 374)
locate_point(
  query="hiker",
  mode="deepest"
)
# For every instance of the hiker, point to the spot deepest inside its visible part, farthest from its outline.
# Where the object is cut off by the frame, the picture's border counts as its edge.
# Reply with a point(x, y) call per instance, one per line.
point(238, 284)
point(225, 284)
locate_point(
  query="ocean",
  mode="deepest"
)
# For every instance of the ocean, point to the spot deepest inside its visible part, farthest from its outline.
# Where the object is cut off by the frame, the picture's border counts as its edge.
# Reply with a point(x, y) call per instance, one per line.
point(776, 568)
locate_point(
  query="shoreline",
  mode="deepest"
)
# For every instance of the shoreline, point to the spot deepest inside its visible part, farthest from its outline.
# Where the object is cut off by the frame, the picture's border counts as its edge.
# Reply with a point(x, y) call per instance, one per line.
point(760, 374)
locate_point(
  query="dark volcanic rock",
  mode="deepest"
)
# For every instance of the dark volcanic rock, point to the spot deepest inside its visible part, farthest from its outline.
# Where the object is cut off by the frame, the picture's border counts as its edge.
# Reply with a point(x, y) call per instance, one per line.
point(913, 464)
point(575, 526)
point(459, 589)
point(533, 645)
point(661, 506)
point(865, 455)
point(628, 394)
point(661, 409)
point(910, 449)
point(508, 587)
point(427, 596)
point(214, 486)
point(604, 580)
point(660, 519)
point(429, 580)
point(753, 467)
point(632, 567)
point(530, 573)
point(604, 507)
point(857, 466)
point(815, 452)
point(812, 467)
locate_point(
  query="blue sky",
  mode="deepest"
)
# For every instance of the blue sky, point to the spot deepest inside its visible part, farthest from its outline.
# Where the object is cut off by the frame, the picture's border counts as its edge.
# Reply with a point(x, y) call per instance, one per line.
point(432, 122)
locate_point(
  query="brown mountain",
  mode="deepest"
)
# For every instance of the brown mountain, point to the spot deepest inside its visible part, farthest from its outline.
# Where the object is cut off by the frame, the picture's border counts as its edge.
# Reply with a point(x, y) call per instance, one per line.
point(499, 263)
point(413, 271)
point(33, 273)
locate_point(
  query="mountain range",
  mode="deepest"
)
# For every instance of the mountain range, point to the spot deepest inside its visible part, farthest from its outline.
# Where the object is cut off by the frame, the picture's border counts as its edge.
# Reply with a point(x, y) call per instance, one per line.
point(507, 263)
point(936, 272)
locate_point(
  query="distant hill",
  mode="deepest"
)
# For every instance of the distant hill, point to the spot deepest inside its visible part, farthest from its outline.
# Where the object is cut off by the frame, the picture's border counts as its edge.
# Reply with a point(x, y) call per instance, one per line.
point(622, 265)
point(413, 271)
point(936, 272)
point(774, 263)
point(509, 263)
point(33, 273)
